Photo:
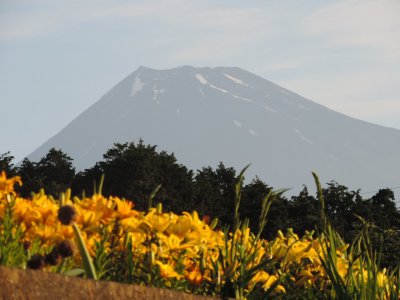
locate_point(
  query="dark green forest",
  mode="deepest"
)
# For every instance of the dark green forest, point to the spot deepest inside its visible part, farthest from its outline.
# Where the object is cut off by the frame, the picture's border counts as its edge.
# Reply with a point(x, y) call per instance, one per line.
point(134, 170)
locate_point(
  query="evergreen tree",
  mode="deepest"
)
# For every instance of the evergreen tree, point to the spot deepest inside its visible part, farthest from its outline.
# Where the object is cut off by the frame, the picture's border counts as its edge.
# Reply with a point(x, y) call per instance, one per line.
point(31, 179)
point(134, 170)
point(340, 204)
point(54, 173)
point(215, 193)
point(252, 196)
point(6, 164)
point(304, 213)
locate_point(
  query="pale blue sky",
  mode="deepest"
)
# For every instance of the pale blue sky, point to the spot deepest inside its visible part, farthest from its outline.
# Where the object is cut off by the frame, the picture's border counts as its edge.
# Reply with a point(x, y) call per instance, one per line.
point(59, 57)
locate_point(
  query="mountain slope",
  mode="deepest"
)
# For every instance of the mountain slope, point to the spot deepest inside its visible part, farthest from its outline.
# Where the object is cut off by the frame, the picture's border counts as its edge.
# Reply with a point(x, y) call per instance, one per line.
point(207, 115)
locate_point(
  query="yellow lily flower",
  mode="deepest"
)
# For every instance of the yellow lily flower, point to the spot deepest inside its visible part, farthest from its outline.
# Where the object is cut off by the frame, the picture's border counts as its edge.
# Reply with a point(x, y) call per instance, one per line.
point(7, 185)
point(167, 271)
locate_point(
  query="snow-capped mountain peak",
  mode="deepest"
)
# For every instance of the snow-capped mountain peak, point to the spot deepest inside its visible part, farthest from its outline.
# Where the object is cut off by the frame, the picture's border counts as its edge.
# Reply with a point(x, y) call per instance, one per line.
point(207, 115)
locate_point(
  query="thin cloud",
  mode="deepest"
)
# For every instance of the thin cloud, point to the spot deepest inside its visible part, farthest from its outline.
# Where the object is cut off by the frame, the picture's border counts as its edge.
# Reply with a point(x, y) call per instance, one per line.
point(360, 94)
point(44, 17)
point(215, 36)
point(359, 23)
point(284, 65)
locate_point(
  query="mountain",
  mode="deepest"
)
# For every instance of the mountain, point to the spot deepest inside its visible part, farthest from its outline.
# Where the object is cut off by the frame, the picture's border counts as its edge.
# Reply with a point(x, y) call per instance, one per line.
point(207, 115)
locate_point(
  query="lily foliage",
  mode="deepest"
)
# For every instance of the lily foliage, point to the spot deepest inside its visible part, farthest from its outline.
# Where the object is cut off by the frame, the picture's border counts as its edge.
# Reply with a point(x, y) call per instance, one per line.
point(108, 239)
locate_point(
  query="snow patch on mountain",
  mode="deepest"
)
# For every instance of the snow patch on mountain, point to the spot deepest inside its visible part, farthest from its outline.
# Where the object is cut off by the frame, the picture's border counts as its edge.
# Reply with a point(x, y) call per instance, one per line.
point(201, 78)
point(236, 80)
point(137, 86)
point(237, 123)
point(202, 92)
point(252, 132)
point(204, 81)
point(270, 109)
point(218, 88)
point(157, 92)
point(241, 98)
point(298, 132)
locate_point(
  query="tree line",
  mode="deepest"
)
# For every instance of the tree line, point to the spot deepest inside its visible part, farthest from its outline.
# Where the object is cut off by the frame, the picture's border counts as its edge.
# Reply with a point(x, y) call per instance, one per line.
point(134, 170)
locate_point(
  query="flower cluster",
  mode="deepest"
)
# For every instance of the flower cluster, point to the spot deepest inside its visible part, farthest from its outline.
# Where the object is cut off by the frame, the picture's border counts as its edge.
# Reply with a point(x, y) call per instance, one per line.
point(302, 258)
point(175, 249)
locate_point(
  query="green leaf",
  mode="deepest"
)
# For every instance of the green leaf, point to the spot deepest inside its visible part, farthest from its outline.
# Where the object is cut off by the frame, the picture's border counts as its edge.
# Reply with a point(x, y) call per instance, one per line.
point(86, 259)
point(75, 272)
point(151, 197)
